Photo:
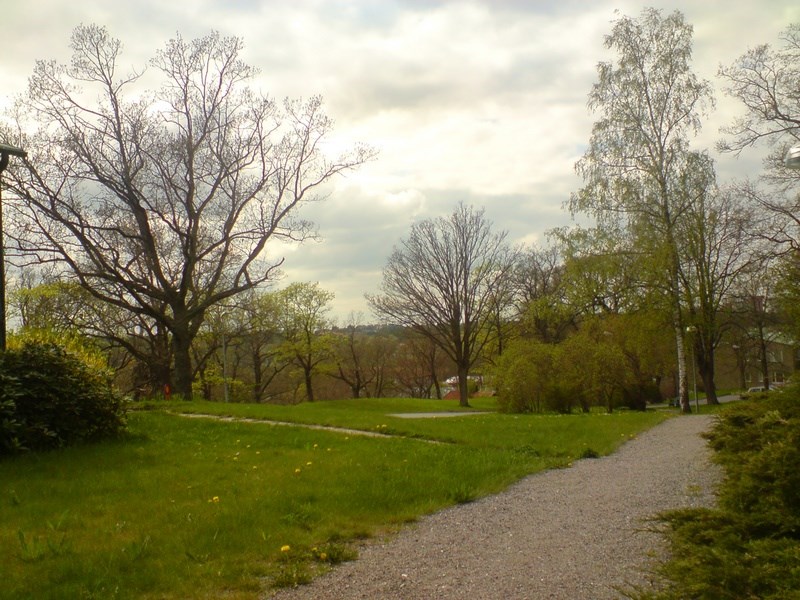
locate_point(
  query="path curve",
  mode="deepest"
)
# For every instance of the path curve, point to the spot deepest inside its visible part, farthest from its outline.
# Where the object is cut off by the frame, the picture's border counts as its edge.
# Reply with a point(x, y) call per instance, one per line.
point(575, 533)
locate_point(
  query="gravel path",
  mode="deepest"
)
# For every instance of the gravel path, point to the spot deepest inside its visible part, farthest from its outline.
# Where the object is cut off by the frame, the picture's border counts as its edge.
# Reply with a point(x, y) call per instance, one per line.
point(576, 533)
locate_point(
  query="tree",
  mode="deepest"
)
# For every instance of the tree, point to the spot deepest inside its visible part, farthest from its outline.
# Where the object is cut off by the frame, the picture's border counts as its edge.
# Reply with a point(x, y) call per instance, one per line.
point(262, 333)
point(650, 102)
point(718, 251)
point(361, 357)
point(302, 322)
point(420, 366)
point(538, 285)
point(765, 80)
point(162, 203)
point(443, 281)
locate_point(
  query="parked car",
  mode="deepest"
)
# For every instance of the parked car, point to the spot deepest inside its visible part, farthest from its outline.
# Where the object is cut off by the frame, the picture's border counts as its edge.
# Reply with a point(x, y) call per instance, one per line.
point(756, 389)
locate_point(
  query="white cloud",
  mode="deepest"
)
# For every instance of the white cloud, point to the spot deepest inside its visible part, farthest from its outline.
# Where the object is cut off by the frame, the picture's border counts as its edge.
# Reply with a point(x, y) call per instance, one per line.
point(465, 100)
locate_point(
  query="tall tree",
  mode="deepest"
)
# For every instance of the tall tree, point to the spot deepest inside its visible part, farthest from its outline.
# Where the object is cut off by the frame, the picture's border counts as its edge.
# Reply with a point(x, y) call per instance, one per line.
point(162, 203)
point(650, 103)
point(717, 251)
point(443, 282)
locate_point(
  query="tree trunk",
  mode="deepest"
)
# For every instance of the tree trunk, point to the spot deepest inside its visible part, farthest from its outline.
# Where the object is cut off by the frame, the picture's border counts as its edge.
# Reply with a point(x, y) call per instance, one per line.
point(463, 385)
point(181, 346)
point(683, 388)
point(309, 387)
point(705, 364)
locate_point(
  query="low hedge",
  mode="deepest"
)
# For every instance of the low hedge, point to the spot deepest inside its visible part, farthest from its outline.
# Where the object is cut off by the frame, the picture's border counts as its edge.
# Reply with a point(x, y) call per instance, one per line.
point(749, 545)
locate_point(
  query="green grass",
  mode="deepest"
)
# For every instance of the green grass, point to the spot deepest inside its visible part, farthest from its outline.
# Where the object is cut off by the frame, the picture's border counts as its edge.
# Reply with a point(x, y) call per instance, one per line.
point(201, 508)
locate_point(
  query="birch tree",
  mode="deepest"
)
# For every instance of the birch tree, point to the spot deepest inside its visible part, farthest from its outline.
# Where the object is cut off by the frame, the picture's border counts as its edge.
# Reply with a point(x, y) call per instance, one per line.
point(650, 104)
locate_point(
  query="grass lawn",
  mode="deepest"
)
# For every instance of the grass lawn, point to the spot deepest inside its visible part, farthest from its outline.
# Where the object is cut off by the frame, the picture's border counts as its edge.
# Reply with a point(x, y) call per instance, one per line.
point(201, 508)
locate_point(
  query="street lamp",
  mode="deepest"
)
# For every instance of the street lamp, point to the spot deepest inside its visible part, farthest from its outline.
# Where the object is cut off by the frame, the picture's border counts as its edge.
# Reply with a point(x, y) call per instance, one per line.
point(6, 152)
point(792, 159)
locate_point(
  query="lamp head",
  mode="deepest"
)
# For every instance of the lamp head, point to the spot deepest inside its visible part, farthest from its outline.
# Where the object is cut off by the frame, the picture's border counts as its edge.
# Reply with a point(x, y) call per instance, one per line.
point(12, 150)
point(792, 159)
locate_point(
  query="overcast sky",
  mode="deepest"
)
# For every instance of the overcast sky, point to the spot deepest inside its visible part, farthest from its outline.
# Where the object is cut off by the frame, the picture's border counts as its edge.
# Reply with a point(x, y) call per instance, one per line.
point(483, 102)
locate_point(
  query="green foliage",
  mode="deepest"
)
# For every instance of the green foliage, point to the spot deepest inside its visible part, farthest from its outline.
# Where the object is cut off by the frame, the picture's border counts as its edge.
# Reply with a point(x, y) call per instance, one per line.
point(51, 398)
point(525, 376)
point(748, 547)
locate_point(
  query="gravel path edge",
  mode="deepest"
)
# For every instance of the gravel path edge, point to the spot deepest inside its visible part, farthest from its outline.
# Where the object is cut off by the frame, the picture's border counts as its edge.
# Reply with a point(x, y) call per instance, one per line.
point(579, 532)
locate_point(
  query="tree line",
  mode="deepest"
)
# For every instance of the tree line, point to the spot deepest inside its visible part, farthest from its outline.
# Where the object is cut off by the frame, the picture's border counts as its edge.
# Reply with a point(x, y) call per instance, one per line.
point(155, 211)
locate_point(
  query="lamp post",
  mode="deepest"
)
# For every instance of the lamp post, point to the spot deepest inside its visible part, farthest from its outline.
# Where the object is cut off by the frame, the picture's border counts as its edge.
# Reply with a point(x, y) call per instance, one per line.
point(6, 151)
point(692, 330)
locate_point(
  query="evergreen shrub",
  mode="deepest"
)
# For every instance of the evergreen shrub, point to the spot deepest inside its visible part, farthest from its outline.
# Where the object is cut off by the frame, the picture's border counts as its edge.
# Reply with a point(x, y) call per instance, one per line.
point(50, 398)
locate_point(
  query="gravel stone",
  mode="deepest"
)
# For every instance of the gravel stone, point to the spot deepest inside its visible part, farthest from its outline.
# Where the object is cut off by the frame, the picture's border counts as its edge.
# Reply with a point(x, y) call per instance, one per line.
point(583, 532)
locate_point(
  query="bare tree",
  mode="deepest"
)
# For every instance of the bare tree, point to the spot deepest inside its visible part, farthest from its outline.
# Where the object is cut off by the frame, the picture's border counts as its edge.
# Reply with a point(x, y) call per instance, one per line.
point(717, 251)
point(420, 366)
point(766, 79)
point(162, 203)
point(443, 281)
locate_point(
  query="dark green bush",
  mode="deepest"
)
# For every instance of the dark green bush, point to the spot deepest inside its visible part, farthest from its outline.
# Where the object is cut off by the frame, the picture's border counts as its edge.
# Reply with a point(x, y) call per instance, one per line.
point(50, 398)
point(749, 546)
point(9, 425)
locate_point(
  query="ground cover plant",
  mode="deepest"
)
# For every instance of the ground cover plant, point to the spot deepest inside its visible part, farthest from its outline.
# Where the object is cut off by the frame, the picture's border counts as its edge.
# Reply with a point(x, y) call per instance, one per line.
point(188, 507)
point(749, 545)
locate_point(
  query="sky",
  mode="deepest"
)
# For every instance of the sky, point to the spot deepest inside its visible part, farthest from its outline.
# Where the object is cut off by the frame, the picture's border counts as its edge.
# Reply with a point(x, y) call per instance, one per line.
point(479, 102)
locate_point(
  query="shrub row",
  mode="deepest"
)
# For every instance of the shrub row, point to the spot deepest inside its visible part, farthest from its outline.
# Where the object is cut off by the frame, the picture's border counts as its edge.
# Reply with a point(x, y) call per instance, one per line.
point(749, 546)
point(50, 398)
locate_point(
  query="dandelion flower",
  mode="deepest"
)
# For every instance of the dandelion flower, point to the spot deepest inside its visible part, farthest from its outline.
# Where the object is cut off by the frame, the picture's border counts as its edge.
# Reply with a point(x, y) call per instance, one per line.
point(297, 470)
point(308, 464)
point(285, 548)
point(323, 556)
point(214, 500)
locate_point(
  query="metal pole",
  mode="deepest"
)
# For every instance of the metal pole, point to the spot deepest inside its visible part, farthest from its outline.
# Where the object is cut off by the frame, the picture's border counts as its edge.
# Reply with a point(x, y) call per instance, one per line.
point(694, 381)
point(6, 151)
point(3, 164)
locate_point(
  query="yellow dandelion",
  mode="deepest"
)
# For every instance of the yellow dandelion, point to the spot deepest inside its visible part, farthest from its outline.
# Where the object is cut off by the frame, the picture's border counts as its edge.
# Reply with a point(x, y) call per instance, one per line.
point(297, 470)
point(285, 548)
point(308, 464)
point(323, 556)
point(214, 500)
